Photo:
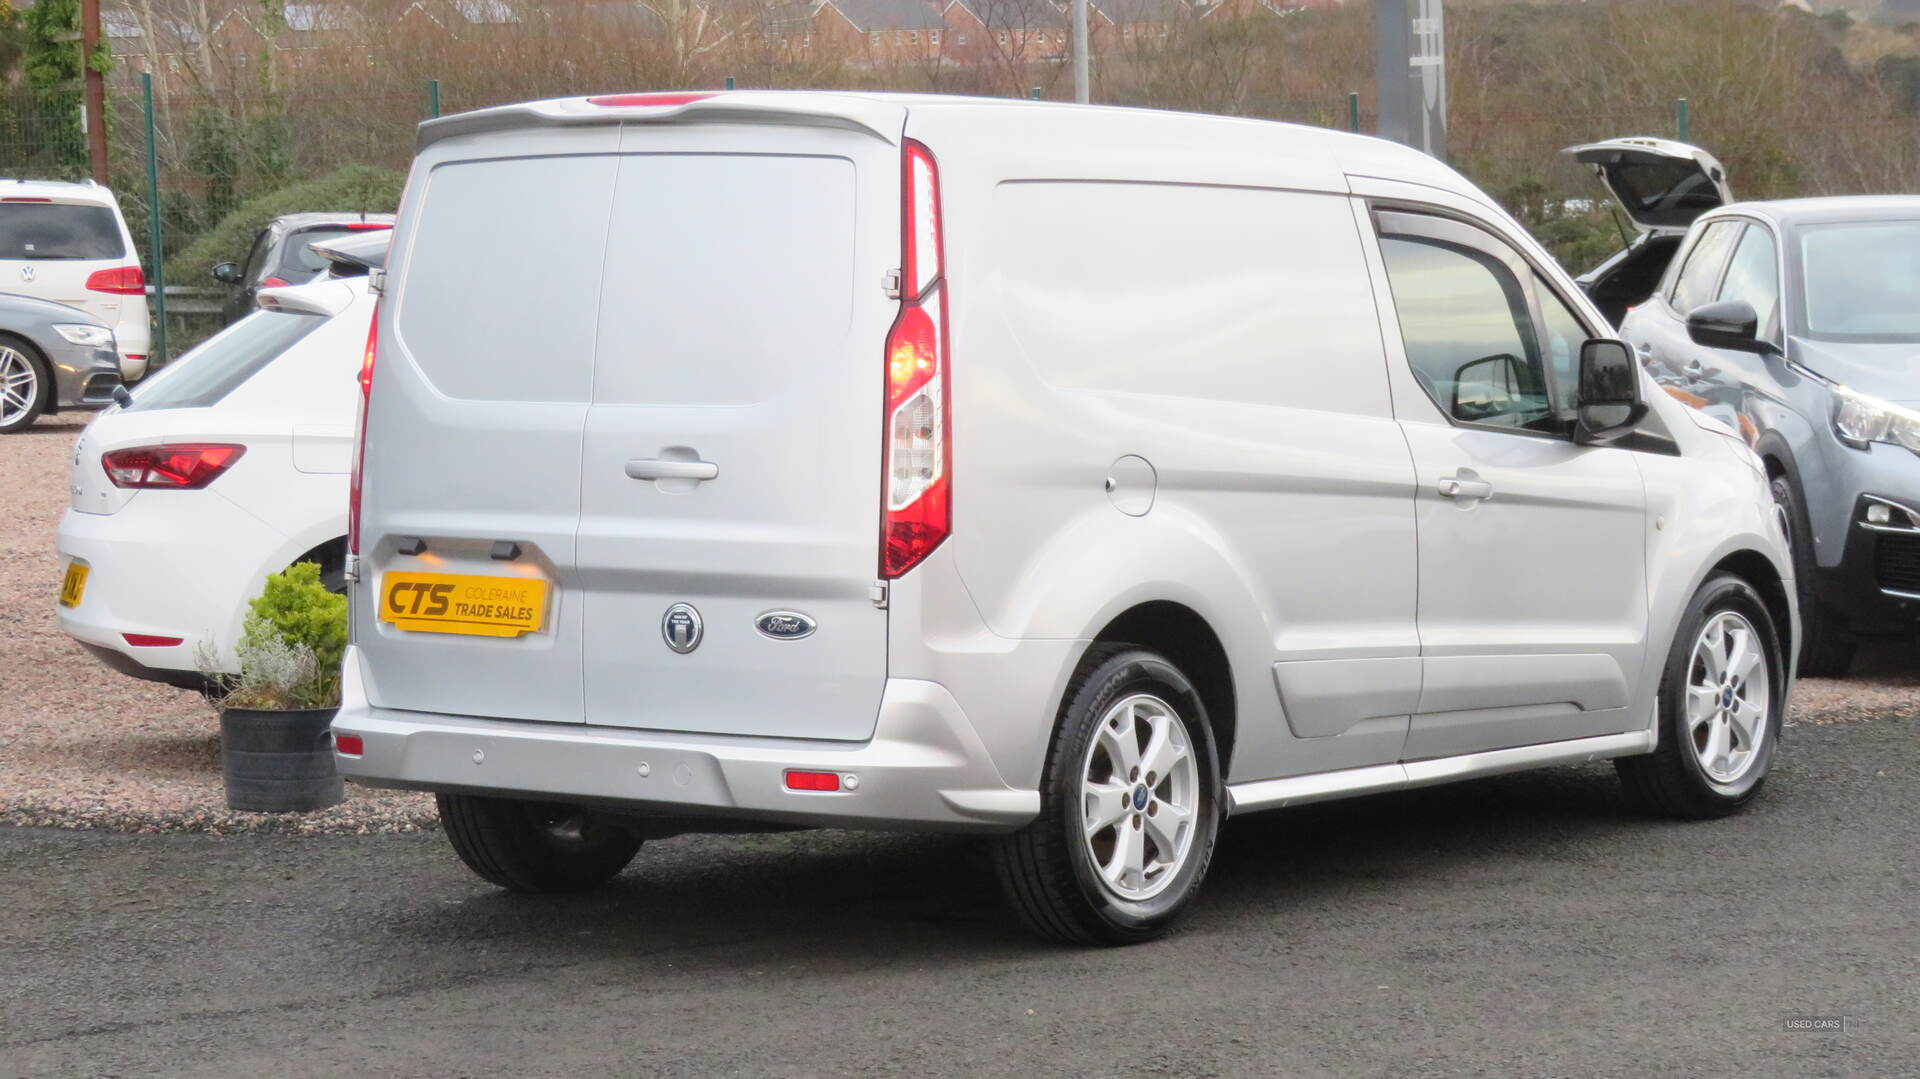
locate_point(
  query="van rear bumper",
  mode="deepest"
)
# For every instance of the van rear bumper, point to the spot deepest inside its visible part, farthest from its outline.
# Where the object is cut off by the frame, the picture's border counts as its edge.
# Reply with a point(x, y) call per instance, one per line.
point(924, 768)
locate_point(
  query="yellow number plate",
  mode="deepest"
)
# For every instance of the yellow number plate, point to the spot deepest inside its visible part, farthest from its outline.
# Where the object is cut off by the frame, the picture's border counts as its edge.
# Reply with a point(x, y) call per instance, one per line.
point(73, 585)
point(461, 603)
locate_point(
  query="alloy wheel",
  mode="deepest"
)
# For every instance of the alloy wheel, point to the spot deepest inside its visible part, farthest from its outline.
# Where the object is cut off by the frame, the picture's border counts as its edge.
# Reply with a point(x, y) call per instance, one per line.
point(18, 384)
point(1729, 697)
point(1140, 793)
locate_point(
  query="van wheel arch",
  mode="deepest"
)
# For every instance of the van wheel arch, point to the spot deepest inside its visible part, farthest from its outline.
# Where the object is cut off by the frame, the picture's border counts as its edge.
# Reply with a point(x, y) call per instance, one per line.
point(1754, 568)
point(1179, 633)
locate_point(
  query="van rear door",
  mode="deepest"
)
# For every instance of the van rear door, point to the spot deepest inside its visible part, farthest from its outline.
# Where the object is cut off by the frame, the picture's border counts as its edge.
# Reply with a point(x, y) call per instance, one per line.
point(729, 491)
point(638, 361)
point(479, 396)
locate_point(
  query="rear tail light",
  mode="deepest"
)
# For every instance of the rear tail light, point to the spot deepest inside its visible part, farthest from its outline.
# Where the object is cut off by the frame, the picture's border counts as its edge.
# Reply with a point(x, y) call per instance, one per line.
point(360, 436)
point(148, 640)
point(918, 452)
point(121, 281)
point(653, 100)
point(184, 466)
point(271, 281)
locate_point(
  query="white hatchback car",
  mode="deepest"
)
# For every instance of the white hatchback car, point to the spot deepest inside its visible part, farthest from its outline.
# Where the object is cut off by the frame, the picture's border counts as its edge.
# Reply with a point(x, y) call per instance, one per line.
point(1077, 476)
point(229, 464)
point(68, 243)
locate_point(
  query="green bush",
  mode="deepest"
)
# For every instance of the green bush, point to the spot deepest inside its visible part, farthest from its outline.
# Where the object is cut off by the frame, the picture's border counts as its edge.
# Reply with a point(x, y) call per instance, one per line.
point(291, 644)
point(353, 188)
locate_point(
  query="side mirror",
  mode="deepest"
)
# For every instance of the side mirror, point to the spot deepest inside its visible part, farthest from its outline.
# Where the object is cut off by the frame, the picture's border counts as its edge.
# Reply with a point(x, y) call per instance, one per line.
point(1486, 387)
point(1608, 403)
point(227, 273)
point(1730, 324)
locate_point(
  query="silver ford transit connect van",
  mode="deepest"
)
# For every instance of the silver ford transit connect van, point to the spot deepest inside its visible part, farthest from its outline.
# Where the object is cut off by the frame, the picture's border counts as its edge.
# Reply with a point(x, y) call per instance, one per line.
point(1075, 476)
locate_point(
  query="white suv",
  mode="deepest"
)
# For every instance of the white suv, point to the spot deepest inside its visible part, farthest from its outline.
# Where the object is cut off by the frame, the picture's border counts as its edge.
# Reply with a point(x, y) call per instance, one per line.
point(68, 243)
point(1075, 476)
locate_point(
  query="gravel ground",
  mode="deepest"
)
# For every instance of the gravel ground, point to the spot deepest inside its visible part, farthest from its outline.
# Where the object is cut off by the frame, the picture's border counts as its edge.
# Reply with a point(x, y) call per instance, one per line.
point(84, 747)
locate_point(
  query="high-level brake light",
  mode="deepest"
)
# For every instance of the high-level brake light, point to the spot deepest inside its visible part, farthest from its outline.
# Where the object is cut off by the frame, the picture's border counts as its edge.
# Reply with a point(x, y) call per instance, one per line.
point(917, 502)
point(654, 100)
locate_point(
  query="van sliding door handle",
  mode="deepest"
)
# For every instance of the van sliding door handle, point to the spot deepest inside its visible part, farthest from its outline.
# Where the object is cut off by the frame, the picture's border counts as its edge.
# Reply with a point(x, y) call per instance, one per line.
point(1464, 489)
point(653, 468)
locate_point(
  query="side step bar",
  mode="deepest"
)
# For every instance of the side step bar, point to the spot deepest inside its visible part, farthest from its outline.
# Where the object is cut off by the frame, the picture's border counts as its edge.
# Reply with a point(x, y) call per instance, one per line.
point(1322, 786)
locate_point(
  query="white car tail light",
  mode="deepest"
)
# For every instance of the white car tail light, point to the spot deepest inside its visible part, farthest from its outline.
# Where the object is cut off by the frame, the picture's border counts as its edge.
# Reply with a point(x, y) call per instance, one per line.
point(184, 466)
point(917, 502)
point(120, 281)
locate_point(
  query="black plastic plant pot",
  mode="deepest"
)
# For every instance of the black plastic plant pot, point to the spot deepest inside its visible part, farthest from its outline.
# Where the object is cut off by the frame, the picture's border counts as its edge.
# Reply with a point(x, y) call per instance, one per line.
point(279, 762)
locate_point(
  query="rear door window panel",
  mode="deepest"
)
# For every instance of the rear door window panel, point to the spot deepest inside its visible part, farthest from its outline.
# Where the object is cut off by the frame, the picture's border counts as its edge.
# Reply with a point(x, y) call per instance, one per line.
point(503, 276)
point(31, 231)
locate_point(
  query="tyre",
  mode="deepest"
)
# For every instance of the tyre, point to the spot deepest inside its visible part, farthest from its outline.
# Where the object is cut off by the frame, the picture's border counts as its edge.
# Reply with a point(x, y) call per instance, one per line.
point(534, 847)
point(26, 385)
point(1826, 648)
point(1129, 807)
point(1722, 697)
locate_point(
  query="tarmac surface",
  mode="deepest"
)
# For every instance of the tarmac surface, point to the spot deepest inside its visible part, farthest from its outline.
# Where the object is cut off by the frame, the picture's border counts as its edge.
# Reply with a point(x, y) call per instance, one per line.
point(1522, 925)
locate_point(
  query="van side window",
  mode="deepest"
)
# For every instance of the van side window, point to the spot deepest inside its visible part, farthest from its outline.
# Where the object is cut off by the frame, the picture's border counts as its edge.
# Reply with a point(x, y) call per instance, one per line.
point(1754, 274)
point(1468, 336)
point(1702, 270)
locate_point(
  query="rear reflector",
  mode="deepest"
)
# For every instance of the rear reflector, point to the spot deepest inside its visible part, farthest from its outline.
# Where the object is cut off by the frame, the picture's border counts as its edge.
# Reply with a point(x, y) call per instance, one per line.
point(349, 745)
point(120, 281)
point(148, 640)
point(813, 781)
point(651, 100)
point(184, 466)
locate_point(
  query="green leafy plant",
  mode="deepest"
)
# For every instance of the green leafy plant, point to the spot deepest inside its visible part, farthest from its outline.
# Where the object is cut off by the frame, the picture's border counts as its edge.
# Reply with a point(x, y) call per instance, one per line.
point(291, 645)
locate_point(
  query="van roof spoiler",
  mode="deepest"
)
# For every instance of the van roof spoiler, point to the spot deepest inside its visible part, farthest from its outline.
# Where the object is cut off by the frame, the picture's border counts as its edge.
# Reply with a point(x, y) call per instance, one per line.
point(867, 115)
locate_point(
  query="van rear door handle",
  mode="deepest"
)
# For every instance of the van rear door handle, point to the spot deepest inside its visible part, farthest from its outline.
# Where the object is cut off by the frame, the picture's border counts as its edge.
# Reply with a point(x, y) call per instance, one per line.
point(654, 468)
point(1469, 490)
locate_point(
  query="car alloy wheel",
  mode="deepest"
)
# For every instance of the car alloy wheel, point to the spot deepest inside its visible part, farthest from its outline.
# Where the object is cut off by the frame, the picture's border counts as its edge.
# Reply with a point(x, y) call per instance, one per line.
point(1140, 788)
point(19, 385)
point(1729, 697)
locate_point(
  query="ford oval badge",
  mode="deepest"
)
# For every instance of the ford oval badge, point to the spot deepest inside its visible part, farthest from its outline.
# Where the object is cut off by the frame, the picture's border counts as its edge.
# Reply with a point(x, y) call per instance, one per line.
point(784, 625)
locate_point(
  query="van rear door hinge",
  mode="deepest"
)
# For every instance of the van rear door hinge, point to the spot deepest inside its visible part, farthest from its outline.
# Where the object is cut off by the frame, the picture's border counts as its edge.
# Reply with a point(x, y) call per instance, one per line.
point(890, 284)
point(878, 593)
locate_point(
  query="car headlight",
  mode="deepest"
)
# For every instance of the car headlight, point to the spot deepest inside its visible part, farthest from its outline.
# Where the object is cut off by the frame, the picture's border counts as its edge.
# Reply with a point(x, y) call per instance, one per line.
point(92, 336)
point(1859, 420)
